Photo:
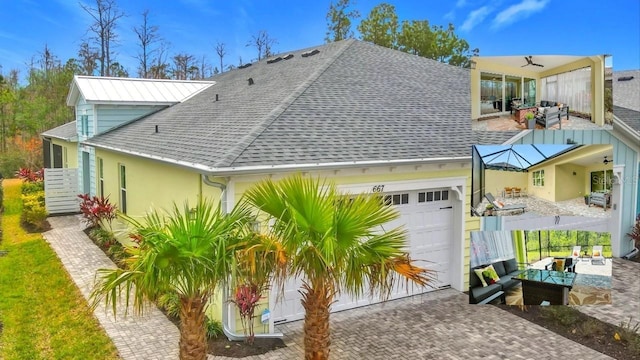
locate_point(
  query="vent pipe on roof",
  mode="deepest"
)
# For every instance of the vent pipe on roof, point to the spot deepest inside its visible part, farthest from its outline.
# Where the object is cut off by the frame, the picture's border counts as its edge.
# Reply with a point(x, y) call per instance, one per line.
point(216, 97)
point(156, 129)
point(250, 80)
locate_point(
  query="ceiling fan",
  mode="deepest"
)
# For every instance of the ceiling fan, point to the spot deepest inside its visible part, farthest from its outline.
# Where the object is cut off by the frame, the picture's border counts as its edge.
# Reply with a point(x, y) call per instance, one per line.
point(530, 61)
point(606, 161)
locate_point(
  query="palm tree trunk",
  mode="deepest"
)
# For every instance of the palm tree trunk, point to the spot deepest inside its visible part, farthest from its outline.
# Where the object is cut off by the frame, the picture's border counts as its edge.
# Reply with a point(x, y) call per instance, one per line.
point(316, 300)
point(193, 339)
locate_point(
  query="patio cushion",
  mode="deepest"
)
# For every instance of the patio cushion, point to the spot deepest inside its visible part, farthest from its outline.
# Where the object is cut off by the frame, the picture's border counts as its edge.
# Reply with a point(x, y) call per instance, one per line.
point(511, 266)
point(479, 274)
point(481, 293)
point(507, 282)
point(490, 275)
point(499, 267)
point(543, 103)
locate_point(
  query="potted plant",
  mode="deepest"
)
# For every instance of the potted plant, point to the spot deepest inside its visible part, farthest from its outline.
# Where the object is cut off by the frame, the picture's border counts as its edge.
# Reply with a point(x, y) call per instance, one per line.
point(488, 210)
point(531, 121)
point(586, 199)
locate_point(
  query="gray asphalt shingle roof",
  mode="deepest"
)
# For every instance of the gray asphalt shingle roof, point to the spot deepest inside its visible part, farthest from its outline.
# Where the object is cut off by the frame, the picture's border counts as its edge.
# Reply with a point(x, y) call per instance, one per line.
point(66, 132)
point(351, 102)
point(626, 98)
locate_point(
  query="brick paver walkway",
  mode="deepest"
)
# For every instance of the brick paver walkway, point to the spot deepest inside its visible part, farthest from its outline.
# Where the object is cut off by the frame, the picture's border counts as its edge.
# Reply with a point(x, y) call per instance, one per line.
point(437, 325)
point(151, 336)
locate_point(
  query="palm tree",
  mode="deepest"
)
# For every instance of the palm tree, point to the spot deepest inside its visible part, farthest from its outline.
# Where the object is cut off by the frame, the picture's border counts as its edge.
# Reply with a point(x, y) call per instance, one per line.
point(189, 251)
point(336, 244)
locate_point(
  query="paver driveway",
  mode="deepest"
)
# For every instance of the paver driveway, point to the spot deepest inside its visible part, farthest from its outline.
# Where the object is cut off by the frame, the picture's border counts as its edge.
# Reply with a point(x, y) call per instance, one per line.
point(437, 325)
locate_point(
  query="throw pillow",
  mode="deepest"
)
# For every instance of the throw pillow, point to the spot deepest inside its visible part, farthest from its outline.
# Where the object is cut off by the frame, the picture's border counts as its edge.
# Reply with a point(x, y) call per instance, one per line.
point(479, 274)
point(575, 254)
point(541, 110)
point(491, 274)
point(559, 264)
point(496, 203)
point(596, 253)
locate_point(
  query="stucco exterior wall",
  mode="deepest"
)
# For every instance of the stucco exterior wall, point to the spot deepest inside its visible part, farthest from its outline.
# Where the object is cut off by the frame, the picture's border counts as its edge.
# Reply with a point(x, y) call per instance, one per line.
point(497, 180)
point(69, 152)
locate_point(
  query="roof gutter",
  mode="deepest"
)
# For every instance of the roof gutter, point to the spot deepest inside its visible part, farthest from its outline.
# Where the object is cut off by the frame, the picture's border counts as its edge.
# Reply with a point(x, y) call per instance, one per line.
point(230, 334)
point(626, 128)
point(238, 170)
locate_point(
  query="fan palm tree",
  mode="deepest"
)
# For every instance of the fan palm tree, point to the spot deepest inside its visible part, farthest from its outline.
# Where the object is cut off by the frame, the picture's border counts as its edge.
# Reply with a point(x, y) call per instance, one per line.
point(189, 251)
point(335, 243)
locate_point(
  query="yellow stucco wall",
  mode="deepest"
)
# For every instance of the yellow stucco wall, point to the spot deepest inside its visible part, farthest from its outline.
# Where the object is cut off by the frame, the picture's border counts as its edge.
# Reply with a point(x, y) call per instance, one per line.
point(150, 183)
point(560, 183)
point(497, 180)
point(69, 152)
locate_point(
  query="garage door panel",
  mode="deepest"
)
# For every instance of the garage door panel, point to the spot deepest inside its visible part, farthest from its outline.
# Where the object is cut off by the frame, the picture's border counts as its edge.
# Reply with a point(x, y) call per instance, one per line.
point(428, 225)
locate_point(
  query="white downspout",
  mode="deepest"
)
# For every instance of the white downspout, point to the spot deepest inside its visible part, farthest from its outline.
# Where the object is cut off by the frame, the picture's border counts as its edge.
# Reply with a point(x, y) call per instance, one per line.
point(231, 335)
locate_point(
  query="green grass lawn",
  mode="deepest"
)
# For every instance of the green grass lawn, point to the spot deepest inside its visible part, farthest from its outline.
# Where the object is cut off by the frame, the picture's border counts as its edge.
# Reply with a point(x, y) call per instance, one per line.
point(42, 312)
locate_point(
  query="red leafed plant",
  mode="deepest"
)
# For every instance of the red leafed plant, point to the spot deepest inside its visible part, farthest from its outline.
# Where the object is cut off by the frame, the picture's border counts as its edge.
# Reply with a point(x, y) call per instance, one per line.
point(246, 299)
point(28, 175)
point(96, 209)
point(635, 232)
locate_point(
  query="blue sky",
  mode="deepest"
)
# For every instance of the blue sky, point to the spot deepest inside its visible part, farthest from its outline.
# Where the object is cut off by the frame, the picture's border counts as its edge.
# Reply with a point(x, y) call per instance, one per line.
point(518, 155)
point(496, 27)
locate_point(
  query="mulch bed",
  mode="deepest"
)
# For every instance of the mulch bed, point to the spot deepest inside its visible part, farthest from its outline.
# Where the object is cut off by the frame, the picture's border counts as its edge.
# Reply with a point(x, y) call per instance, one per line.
point(581, 328)
point(221, 346)
point(584, 329)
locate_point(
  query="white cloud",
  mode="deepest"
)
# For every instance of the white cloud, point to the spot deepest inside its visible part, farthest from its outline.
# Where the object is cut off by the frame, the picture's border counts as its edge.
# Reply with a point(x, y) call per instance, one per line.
point(475, 17)
point(461, 3)
point(518, 12)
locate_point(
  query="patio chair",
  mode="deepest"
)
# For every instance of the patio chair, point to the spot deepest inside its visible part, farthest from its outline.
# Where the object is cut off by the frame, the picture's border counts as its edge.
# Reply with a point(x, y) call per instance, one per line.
point(516, 191)
point(575, 254)
point(596, 256)
point(498, 206)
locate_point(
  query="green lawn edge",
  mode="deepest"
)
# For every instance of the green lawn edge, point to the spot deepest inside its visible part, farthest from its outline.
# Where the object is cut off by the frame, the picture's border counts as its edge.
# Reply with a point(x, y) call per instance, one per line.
point(43, 313)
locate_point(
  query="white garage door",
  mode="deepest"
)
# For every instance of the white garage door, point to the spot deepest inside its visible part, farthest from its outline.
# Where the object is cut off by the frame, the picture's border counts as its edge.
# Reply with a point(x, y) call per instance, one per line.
point(428, 216)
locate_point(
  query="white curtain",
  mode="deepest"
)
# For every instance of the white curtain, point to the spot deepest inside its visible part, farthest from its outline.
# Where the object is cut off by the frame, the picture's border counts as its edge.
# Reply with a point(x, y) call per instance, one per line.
point(572, 88)
point(491, 246)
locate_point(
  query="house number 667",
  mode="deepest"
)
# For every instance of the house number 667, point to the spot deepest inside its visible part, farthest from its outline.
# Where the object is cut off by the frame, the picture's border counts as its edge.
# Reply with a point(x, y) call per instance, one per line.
point(377, 188)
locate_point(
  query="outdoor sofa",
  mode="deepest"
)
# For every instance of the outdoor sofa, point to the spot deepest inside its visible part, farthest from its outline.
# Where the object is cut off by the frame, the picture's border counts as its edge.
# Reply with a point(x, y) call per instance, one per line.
point(480, 294)
point(600, 199)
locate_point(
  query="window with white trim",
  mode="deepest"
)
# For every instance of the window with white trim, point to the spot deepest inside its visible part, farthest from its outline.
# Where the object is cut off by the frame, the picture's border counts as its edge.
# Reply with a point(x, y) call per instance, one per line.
point(123, 188)
point(538, 178)
point(101, 177)
point(84, 123)
point(396, 199)
point(431, 196)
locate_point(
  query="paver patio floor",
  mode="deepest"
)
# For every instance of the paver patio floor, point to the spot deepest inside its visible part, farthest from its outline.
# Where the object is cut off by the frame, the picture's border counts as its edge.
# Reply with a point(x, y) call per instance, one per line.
point(436, 325)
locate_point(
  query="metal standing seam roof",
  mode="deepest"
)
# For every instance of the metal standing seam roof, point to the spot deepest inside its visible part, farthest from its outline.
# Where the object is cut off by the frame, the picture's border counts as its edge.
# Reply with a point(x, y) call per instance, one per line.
point(67, 132)
point(351, 102)
point(95, 89)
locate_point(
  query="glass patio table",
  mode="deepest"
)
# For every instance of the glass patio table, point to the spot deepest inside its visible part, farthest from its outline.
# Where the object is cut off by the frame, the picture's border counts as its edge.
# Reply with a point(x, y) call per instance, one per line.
point(546, 285)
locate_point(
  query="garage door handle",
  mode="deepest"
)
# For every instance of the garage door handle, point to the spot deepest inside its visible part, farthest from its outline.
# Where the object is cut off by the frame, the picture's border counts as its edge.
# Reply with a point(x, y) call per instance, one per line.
point(448, 207)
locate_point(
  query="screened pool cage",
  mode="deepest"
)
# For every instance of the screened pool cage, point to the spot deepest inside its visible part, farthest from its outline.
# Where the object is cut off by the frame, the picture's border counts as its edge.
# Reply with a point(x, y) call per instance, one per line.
point(549, 243)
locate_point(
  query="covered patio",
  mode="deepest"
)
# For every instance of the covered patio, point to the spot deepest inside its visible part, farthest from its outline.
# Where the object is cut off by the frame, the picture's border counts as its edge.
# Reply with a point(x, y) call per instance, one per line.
point(544, 179)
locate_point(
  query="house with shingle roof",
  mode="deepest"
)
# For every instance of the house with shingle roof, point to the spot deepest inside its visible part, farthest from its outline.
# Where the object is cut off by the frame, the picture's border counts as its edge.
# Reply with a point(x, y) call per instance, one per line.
point(368, 118)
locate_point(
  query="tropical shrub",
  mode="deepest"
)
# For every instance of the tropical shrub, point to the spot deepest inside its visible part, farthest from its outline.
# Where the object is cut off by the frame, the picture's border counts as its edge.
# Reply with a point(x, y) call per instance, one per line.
point(246, 299)
point(635, 232)
point(96, 210)
point(28, 175)
point(28, 188)
point(214, 328)
point(1, 196)
point(102, 237)
point(170, 303)
point(34, 212)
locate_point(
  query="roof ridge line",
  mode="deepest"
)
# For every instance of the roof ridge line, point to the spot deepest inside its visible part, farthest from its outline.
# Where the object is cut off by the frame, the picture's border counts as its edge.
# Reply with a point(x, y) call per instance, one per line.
point(258, 129)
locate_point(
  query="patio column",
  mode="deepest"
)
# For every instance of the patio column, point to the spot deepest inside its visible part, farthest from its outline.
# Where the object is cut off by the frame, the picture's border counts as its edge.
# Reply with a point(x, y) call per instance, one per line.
point(617, 235)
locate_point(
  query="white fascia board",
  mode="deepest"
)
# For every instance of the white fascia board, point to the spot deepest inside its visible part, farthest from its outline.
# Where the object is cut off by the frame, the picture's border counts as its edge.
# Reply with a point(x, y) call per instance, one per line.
point(225, 171)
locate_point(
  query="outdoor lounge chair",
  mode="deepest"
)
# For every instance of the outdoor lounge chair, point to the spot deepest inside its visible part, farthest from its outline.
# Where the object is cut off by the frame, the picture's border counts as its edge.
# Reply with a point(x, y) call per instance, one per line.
point(575, 254)
point(596, 256)
point(549, 117)
point(498, 206)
